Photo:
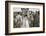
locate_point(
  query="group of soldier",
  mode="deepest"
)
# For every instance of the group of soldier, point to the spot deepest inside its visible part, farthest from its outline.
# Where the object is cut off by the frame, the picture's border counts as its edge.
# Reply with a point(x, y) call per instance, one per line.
point(26, 18)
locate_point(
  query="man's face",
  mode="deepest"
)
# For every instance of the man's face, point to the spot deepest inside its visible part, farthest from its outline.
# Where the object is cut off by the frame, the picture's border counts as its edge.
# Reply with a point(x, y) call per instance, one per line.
point(24, 9)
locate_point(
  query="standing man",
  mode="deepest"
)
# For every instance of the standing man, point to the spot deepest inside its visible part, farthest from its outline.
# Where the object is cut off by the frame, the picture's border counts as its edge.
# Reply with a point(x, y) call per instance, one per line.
point(36, 19)
point(25, 19)
point(18, 20)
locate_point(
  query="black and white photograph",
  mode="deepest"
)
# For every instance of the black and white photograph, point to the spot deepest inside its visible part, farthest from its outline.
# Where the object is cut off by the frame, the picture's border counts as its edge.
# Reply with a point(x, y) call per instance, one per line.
point(26, 17)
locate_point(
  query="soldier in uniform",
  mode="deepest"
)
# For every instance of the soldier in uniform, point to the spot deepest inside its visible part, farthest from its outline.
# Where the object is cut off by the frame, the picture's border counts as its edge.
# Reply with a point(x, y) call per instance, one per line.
point(25, 19)
point(36, 19)
point(18, 20)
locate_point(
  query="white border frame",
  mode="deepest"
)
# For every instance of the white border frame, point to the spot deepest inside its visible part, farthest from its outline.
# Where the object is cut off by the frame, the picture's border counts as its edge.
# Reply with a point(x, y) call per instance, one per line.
point(13, 30)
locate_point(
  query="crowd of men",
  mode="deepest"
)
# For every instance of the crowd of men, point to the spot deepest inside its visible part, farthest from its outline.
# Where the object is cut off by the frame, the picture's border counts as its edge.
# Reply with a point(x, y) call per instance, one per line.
point(26, 18)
